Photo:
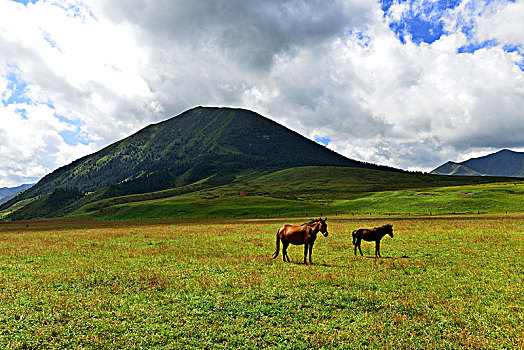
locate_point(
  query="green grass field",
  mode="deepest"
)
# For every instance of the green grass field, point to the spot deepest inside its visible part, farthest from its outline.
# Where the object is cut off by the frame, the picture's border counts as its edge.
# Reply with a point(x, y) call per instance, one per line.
point(225, 202)
point(303, 191)
point(452, 282)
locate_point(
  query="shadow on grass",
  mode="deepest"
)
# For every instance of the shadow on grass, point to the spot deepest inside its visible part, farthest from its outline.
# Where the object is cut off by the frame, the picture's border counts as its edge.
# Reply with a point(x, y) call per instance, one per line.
point(389, 257)
point(315, 264)
point(297, 263)
point(330, 265)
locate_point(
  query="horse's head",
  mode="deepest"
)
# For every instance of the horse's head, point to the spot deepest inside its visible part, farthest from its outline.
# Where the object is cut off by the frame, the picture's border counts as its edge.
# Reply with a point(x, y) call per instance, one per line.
point(389, 230)
point(323, 226)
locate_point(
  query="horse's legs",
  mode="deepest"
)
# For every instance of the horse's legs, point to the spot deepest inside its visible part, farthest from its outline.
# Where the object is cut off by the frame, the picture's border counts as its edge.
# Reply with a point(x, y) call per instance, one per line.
point(284, 251)
point(310, 251)
point(358, 245)
point(377, 249)
point(305, 253)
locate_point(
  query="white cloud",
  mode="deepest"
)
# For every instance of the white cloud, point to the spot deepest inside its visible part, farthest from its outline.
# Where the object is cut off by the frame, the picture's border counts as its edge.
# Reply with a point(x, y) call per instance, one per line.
point(501, 21)
point(79, 67)
point(31, 146)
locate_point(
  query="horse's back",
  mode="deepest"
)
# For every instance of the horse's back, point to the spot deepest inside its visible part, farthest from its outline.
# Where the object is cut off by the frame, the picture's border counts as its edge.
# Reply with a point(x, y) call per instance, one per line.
point(292, 234)
point(365, 233)
point(285, 229)
point(359, 232)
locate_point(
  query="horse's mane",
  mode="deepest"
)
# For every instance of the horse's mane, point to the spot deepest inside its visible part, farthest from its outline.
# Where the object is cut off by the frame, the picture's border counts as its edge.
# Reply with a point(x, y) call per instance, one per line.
point(311, 222)
point(382, 227)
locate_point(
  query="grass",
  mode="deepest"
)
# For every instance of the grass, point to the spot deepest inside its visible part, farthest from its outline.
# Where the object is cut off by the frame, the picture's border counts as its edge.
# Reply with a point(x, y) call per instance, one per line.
point(341, 182)
point(224, 202)
point(445, 282)
point(469, 199)
point(198, 206)
point(4, 213)
point(293, 192)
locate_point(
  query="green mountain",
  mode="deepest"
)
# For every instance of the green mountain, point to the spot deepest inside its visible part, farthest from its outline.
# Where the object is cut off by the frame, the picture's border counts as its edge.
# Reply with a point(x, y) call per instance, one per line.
point(205, 146)
point(502, 163)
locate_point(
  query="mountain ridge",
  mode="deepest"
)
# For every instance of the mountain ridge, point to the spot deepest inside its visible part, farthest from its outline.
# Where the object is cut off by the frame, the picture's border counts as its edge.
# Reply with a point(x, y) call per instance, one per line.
point(505, 163)
point(6, 193)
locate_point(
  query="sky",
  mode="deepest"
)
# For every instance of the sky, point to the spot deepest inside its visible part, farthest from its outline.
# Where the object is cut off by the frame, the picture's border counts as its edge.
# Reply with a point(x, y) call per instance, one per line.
point(408, 84)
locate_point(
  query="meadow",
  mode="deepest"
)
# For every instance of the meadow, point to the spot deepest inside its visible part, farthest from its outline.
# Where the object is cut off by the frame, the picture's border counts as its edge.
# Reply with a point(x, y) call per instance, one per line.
point(302, 191)
point(446, 282)
point(331, 198)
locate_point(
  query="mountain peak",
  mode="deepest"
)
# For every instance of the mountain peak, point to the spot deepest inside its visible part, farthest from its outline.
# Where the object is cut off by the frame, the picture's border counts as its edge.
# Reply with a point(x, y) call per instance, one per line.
point(508, 151)
point(501, 163)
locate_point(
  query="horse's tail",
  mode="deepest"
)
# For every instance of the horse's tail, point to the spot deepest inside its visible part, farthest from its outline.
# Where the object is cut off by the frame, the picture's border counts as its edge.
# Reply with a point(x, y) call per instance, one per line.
point(354, 234)
point(278, 246)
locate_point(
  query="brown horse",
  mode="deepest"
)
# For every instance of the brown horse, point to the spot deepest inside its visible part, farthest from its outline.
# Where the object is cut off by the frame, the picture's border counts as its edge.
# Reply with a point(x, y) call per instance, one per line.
point(297, 235)
point(369, 235)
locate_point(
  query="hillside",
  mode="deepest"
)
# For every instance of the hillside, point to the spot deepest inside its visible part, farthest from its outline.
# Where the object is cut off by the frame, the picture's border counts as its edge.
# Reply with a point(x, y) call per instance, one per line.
point(321, 190)
point(502, 163)
point(199, 144)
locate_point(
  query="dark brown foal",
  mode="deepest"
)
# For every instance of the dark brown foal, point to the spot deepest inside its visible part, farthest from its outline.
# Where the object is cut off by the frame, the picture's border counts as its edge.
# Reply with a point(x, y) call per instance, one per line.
point(370, 235)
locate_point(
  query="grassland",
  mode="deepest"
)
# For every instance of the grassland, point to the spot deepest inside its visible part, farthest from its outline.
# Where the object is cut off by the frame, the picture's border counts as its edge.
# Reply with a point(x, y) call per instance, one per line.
point(445, 282)
point(331, 198)
point(302, 191)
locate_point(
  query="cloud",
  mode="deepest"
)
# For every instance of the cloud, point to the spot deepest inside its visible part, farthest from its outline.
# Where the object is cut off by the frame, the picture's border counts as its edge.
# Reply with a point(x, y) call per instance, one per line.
point(71, 83)
point(409, 84)
point(250, 34)
point(342, 71)
point(500, 20)
point(30, 141)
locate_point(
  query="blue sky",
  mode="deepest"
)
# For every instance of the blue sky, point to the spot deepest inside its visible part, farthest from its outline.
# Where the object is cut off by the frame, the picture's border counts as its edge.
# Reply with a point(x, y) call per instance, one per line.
point(425, 22)
point(322, 140)
point(410, 84)
point(25, 2)
point(16, 87)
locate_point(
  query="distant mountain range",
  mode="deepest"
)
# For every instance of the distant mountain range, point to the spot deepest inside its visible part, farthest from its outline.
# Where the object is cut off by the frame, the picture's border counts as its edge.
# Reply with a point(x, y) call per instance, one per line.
point(502, 163)
point(6, 193)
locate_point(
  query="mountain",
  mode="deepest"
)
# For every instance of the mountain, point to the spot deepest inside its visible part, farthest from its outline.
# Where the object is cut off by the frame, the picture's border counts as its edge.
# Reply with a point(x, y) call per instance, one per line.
point(7, 193)
point(201, 144)
point(452, 168)
point(502, 163)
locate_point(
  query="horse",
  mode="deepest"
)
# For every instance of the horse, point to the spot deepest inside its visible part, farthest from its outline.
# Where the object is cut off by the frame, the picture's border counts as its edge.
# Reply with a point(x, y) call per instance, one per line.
point(305, 234)
point(369, 235)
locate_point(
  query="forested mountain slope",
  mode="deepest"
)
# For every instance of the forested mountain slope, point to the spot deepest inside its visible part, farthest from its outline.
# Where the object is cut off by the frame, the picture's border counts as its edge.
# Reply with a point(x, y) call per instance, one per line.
point(195, 145)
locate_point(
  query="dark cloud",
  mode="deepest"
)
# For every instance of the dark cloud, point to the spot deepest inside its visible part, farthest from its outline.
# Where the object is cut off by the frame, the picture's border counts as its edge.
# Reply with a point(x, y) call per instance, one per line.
point(249, 33)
